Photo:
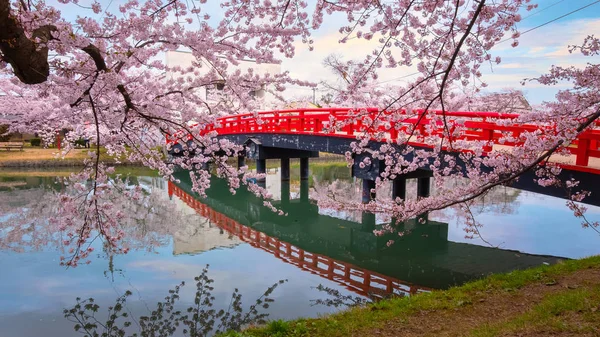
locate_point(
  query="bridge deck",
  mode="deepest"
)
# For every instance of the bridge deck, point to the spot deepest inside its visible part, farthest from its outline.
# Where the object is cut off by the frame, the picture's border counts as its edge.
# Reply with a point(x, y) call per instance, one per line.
point(490, 127)
point(310, 129)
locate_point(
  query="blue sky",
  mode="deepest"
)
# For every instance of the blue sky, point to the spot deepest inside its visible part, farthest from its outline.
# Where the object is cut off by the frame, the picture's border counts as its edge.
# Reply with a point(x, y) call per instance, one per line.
point(538, 50)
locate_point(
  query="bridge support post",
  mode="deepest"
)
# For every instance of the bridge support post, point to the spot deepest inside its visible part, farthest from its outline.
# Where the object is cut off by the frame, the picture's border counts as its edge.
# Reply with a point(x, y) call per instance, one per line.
point(241, 162)
point(399, 188)
point(285, 193)
point(367, 221)
point(367, 186)
point(304, 169)
point(303, 190)
point(423, 188)
point(261, 167)
point(285, 169)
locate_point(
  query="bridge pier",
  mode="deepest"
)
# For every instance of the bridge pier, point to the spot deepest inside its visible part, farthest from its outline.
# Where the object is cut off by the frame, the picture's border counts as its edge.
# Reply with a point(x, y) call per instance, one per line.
point(285, 193)
point(285, 169)
point(304, 171)
point(368, 221)
point(257, 151)
point(368, 168)
point(241, 162)
point(304, 190)
point(261, 168)
point(399, 188)
point(367, 195)
point(423, 191)
point(423, 187)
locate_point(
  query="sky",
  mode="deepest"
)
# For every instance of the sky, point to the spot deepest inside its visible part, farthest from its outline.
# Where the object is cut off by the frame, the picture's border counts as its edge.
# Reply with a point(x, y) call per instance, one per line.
point(538, 50)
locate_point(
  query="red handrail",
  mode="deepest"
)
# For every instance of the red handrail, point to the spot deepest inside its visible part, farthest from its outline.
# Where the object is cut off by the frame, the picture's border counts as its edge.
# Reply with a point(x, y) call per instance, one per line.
point(476, 126)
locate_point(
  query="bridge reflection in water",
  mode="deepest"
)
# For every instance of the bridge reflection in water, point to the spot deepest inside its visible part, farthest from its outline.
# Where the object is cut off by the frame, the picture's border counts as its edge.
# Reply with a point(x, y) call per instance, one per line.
point(348, 252)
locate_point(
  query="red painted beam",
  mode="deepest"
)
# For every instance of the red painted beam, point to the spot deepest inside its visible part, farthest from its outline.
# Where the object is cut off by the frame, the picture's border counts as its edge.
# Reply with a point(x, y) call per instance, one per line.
point(481, 126)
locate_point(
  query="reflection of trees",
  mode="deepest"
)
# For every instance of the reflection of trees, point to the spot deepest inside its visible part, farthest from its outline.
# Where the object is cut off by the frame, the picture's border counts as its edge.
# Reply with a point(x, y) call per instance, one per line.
point(23, 224)
point(346, 191)
point(331, 171)
point(146, 221)
point(499, 200)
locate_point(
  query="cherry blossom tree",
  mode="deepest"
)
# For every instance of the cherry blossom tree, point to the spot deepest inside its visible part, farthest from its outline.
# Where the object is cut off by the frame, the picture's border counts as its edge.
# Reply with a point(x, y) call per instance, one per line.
point(101, 73)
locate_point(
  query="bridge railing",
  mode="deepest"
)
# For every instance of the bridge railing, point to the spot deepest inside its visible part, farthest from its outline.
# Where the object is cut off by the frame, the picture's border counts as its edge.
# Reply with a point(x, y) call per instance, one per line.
point(491, 127)
point(356, 279)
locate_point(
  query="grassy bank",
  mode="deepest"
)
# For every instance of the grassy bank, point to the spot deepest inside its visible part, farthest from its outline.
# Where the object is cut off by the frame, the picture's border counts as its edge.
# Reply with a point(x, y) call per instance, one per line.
point(558, 300)
point(41, 157)
point(33, 155)
point(36, 157)
point(130, 170)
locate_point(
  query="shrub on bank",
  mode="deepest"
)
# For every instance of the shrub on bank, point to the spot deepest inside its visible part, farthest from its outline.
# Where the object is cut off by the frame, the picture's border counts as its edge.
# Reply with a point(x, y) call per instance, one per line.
point(80, 142)
point(4, 136)
point(36, 141)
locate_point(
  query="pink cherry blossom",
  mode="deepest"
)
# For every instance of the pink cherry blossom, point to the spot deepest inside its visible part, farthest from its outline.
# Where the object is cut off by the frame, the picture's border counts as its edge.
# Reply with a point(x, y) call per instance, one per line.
point(101, 74)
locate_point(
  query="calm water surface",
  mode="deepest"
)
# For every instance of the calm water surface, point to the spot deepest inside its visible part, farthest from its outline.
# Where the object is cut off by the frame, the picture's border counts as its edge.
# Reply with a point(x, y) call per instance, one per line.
point(221, 231)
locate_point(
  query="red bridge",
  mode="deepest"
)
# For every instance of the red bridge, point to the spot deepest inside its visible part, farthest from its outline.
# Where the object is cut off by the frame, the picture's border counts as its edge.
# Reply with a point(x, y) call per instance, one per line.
point(481, 126)
point(303, 133)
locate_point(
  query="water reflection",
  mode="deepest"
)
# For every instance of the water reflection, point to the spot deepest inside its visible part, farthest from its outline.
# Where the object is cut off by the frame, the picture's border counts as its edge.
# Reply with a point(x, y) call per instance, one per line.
point(359, 280)
point(339, 250)
point(423, 258)
point(166, 249)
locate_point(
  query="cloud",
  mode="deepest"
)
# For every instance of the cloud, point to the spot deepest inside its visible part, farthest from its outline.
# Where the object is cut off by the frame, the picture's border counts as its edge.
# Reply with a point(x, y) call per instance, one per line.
point(538, 50)
point(510, 66)
point(308, 65)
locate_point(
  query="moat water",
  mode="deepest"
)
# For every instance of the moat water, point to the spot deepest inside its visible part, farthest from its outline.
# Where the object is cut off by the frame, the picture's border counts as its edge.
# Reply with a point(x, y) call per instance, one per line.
point(248, 247)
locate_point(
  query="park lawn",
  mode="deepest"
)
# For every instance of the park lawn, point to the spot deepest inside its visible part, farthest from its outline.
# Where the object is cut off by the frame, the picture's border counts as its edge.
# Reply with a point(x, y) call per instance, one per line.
point(32, 156)
point(128, 170)
point(558, 300)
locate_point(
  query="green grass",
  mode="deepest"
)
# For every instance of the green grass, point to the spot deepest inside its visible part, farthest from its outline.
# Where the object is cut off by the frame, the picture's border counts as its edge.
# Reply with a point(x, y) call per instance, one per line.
point(295, 163)
point(130, 170)
point(48, 156)
point(355, 320)
point(550, 315)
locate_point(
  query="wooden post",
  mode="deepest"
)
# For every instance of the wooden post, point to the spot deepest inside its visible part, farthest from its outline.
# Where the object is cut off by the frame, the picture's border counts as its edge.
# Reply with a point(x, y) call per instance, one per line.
point(285, 169)
point(304, 169)
point(301, 115)
point(399, 188)
point(367, 195)
point(583, 147)
point(261, 168)
point(423, 187)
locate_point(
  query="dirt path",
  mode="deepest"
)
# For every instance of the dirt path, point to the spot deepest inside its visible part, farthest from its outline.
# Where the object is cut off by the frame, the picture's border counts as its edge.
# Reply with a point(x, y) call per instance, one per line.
point(529, 311)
